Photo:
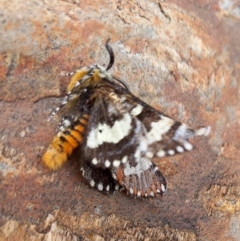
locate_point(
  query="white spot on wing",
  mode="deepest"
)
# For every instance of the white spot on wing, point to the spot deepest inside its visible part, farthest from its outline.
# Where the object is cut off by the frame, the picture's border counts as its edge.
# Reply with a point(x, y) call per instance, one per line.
point(139, 194)
point(171, 152)
point(163, 188)
point(137, 110)
point(179, 149)
point(107, 188)
point(107, 163)
point(100, 186)
point(204, 131)
point(104, 133)
point(131, 190)
point(161, 153)
point(159, 128)
point(92, 183)
point(188, 146)
point(116, 163)
point(149, 154)
point(94, 161)
point(124, 160)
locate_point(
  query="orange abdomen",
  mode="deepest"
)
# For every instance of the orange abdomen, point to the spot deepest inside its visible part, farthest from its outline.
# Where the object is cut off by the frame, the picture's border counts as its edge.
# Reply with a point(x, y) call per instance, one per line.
point(64, 143)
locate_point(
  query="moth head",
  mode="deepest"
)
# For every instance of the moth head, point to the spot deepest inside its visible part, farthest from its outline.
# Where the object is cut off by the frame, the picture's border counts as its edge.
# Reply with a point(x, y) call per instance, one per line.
point(91, 76)
point(88, 77)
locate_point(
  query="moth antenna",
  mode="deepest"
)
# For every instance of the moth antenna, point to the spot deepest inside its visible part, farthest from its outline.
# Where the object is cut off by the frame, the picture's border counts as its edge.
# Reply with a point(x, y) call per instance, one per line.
point(111, 54)
point(123, 83)
point(111, 62)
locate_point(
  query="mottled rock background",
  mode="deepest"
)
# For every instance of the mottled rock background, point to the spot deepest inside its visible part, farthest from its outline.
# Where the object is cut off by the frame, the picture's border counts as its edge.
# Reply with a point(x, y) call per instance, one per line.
point(182, 57)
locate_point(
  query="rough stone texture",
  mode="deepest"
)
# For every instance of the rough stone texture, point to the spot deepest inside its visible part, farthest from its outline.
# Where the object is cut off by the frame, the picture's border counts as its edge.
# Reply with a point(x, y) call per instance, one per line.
point(182, 57)
point(88, 227)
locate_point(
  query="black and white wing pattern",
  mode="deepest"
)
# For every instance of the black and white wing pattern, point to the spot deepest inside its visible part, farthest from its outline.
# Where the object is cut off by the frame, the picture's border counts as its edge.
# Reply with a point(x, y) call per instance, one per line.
point(123, 135)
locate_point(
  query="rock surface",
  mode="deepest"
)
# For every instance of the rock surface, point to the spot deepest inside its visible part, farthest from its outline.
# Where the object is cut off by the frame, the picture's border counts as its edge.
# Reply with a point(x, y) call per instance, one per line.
point(182, 57)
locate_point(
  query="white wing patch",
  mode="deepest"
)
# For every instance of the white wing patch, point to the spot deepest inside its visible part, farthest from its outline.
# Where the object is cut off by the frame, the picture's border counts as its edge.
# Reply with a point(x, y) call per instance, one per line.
point(159, 128)
point(142, 165)
point(161, 153)
point(104, 133)
point(137, 110)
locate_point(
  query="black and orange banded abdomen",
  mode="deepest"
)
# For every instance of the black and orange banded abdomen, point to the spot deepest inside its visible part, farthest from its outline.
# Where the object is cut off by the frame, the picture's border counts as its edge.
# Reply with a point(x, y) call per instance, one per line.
point(64, 143)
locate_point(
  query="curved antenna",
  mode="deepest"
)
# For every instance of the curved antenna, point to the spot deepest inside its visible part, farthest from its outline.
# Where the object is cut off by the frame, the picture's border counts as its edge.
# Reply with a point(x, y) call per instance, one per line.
point(123, 83)
point(110, 51)
point(111, 62)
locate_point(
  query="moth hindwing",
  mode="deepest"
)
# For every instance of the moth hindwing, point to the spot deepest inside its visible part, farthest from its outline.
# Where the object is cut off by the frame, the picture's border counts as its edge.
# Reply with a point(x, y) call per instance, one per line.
point(115, 134)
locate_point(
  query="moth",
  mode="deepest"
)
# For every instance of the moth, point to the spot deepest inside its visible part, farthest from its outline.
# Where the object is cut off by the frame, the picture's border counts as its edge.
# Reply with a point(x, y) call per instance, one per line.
point(115, 134)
